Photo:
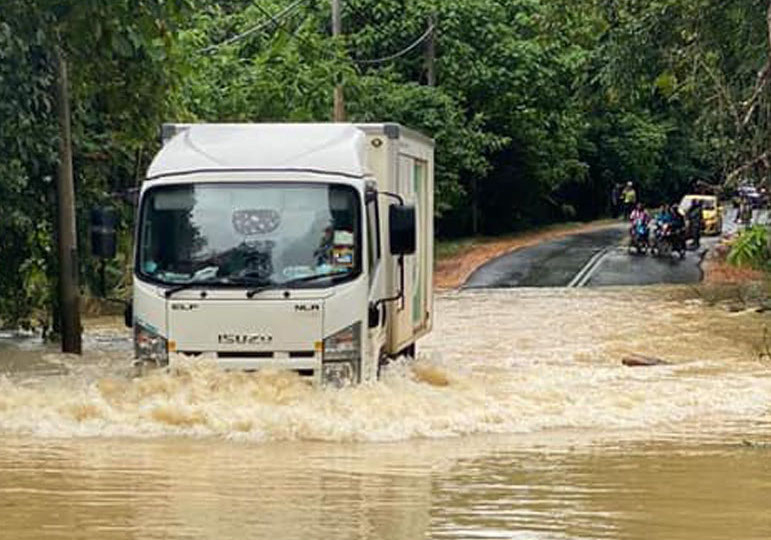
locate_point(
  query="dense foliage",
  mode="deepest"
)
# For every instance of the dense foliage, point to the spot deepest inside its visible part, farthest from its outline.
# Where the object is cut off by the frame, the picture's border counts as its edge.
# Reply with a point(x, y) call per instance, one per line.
point(539, 106)
point(750, 249)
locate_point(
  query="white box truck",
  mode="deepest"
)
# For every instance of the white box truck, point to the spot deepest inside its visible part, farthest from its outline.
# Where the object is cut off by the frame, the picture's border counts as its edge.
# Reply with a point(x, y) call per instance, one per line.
point(305, 247)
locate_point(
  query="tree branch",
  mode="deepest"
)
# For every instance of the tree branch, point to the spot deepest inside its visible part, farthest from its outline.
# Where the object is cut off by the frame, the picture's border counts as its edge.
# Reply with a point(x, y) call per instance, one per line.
point(724, 92)
point(764, 158)
point(764, 75)
point(768, 24)
point(752, 104)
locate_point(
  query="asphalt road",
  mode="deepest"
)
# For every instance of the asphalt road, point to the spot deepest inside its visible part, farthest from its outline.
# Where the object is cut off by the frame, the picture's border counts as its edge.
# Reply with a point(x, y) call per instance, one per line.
point(595, 259)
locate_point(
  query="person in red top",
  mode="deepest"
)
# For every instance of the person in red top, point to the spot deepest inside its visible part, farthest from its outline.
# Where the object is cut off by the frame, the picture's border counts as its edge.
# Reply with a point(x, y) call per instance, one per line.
point(638, 228)
point(639, 213)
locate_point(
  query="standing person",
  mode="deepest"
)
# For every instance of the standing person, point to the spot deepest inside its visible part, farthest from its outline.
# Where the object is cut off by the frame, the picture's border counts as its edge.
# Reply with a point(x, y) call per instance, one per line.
point(695, 222)
point(615, 200)
point(744, 213)
point(629, 197)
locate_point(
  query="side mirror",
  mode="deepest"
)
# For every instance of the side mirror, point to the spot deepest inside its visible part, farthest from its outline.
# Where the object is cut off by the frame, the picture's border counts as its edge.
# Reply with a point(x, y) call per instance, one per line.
point(103, 236)
point(401, 229)
point(370, 194)
point(128, 314)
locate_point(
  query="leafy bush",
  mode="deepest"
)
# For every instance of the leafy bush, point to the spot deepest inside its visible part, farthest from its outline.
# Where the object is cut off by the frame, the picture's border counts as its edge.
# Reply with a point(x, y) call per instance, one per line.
point(751, 249)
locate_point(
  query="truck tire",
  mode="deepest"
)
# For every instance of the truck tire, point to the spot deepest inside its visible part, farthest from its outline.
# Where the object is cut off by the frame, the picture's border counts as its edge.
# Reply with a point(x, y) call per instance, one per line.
point(382, 361)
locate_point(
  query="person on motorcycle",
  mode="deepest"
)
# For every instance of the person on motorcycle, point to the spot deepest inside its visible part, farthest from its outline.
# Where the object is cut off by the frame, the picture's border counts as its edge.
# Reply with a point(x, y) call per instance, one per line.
point(678, 227)
point(662, 217)
point(639, 213)
point(638, 228)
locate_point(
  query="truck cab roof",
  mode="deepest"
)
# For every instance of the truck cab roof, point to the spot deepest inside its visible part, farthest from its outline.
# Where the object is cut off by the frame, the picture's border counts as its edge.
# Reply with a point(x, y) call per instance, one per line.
point(327, 149)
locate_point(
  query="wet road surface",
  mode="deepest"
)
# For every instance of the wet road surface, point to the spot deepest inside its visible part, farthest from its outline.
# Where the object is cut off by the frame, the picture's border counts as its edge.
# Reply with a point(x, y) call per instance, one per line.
point(599, 258)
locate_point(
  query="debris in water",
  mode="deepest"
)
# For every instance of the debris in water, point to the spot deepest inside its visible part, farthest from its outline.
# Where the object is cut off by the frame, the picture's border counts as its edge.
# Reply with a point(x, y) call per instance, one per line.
point(755, 444)
point(637, 360)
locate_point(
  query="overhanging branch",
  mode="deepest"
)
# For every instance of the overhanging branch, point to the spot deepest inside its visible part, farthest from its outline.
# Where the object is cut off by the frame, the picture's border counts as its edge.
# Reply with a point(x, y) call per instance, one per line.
point(764, 75)
point(733, 176)
point(724, 92)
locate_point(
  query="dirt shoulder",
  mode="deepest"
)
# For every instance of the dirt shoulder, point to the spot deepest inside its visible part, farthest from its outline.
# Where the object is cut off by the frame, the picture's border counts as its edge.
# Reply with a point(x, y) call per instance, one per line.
point(717, 271)
point(456, 260)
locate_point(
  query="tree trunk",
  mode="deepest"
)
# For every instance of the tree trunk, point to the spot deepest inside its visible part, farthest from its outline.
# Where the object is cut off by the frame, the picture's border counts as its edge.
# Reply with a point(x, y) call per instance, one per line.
point(431, 53)
point(338, 113)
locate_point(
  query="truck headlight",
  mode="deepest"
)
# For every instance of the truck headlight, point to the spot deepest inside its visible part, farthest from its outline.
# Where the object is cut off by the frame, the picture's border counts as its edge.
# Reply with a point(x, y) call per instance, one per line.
point(342, 357)
point(149, 346)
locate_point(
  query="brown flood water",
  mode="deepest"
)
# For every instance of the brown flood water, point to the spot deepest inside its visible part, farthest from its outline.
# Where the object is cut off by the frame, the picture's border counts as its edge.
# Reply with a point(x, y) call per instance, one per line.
point(518, 422)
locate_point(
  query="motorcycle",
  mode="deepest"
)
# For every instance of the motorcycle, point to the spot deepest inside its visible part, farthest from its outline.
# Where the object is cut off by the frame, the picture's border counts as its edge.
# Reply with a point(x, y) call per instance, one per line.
point(666, 240)
point(639, 237)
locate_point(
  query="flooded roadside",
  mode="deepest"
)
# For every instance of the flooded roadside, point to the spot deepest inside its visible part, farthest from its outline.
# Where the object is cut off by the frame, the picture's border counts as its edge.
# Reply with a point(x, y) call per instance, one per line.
point(481, 487)
point(518, 422)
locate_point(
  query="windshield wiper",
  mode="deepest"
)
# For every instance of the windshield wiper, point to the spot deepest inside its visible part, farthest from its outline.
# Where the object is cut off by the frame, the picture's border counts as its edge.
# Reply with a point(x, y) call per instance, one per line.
point(189, 285)
point(335, 276)
point(215, 281)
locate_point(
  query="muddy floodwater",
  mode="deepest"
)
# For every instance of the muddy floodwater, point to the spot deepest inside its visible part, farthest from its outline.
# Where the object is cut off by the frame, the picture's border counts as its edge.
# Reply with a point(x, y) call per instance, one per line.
point(518, 421)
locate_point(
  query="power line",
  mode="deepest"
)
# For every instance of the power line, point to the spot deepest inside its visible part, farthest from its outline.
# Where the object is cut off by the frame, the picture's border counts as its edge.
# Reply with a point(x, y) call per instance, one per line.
point(375, 27)
point(401, 53)
point(274, 19)
point(268, 20)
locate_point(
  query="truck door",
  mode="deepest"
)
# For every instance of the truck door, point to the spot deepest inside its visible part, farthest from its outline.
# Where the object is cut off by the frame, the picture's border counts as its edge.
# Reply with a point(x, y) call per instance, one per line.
point(376, 272)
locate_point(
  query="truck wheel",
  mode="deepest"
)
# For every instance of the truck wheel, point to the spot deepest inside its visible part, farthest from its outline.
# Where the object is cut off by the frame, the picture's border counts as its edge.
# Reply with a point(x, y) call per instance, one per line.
point(382, 361)
point(141, 368)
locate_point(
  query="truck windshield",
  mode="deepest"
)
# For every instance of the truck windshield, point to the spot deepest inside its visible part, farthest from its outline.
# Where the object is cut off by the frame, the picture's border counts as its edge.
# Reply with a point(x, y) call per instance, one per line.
point(254, 234)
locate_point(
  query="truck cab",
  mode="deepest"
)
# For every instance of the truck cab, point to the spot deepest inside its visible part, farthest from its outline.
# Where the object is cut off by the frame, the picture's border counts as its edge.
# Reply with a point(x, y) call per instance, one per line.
point(304, 247)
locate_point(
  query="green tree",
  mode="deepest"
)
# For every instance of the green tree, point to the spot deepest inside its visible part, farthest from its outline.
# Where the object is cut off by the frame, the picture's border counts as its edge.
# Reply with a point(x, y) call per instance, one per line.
point(120, 53)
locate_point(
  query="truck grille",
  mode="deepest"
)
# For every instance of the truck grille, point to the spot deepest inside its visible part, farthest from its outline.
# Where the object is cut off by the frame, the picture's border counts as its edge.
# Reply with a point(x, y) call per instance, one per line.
point(252, 354)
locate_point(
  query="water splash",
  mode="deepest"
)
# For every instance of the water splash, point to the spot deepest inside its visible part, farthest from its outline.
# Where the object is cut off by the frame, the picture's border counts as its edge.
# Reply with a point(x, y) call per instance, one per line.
point(501, 362)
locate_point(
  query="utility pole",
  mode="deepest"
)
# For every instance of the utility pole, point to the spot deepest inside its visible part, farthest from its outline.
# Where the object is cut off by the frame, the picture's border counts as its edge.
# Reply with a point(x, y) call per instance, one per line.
point(431, 52)
point(337, 30)
point(69, 291)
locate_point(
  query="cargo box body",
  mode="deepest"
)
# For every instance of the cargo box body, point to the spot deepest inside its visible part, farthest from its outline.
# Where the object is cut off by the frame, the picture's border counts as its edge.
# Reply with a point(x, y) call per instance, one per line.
point(402, 162)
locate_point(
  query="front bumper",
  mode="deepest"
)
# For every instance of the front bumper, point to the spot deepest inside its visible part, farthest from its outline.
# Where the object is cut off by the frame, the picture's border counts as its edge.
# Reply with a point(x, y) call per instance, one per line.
point(282, 361)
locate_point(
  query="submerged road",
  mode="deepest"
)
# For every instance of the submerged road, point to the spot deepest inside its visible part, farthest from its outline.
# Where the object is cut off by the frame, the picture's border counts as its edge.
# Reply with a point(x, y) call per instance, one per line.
point(599, 258)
